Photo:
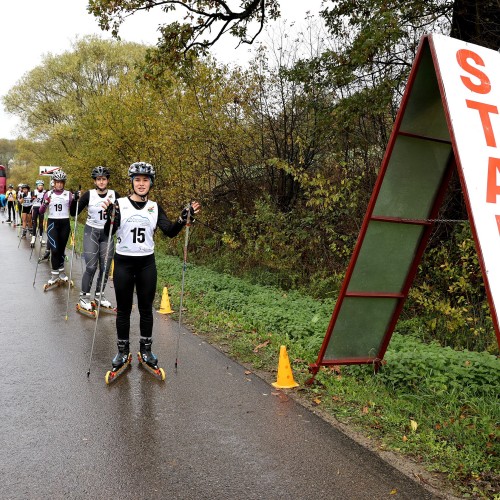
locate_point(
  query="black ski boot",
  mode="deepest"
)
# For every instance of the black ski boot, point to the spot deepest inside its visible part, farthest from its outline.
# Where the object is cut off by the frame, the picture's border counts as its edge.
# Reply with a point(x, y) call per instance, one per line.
point(123, 353)
point(148, 360)
point(120, 362)
point(145, 351)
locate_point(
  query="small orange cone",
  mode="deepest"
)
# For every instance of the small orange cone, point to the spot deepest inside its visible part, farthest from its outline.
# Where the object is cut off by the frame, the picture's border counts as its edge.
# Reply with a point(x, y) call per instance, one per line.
point(165, 303)
point(285, 375)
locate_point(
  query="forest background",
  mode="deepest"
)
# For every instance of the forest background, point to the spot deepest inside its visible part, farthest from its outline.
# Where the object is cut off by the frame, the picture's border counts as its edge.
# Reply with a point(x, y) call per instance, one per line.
point(283, 154)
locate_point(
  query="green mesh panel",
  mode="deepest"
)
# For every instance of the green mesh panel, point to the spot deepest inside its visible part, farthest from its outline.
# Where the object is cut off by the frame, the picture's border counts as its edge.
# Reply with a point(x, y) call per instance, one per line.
point(424, 113)
point(412, 178)
point(360, 327)
point(386, 255)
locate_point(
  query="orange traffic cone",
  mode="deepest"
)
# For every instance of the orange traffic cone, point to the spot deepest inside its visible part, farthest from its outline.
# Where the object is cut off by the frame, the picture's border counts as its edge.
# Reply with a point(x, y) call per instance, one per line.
point(285, 375)
point(165, 303)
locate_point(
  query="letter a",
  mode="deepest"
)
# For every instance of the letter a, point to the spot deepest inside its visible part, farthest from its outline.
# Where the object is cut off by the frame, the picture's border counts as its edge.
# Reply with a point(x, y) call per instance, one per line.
point(493, 189)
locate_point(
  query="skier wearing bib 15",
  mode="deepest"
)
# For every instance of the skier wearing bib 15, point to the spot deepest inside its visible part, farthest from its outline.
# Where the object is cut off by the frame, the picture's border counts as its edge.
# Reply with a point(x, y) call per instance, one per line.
point(95, 241)
point(57, 201)
point(136, 218)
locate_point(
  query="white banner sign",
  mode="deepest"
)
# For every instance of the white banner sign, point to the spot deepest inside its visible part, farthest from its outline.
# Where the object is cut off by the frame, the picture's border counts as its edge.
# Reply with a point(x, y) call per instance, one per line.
point(48, 170)
point(470, 77)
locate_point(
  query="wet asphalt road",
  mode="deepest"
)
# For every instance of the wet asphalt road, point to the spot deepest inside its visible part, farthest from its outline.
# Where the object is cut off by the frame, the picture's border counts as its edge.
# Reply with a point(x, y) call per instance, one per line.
point(208, 432)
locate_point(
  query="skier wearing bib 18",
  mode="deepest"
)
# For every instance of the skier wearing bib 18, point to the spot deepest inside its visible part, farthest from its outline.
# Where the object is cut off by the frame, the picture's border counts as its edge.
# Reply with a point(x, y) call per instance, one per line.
point(135, 219)
point(95, 242)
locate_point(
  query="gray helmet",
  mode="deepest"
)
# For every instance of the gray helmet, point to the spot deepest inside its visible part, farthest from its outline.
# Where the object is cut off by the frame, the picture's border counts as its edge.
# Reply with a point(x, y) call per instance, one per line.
point(39, 182)
point(141, 168)
point(100, 172)
point(59, 176)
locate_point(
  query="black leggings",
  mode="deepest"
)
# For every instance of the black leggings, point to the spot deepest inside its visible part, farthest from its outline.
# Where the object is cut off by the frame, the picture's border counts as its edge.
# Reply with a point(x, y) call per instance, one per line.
point(11, 210)
point(95, 244)
point(37, 221)
point(141, 272)
point(57, 237)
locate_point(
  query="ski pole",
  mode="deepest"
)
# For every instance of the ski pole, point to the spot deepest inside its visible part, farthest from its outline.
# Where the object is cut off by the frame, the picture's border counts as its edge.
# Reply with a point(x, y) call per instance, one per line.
point(33, 246)
point(110, 236)
point(72, 252)
point(36, 233)
point(38, 262)
point(186, 240)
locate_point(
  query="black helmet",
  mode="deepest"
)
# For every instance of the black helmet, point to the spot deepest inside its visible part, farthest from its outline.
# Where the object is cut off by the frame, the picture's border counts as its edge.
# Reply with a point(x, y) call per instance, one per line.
point(11, 186)
point(25, 186)
point(59, 175)
point(141, 168)
point(100, 172)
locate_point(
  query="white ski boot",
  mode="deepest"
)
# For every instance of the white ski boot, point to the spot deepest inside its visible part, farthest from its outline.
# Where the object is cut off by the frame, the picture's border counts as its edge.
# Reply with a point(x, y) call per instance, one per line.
point(54, 281)
point(85, 305)
point(32, 242)
point(105, 303)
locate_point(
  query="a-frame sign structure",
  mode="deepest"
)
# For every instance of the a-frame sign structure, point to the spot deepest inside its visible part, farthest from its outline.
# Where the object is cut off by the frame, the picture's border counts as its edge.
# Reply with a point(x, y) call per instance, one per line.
point(448, 119)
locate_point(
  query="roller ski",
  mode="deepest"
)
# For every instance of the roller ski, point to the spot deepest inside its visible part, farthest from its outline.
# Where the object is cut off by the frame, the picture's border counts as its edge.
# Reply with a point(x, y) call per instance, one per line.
point(45, 257)
point(85, 306)
point(148, 360)
point(105, 306)
point(32, 242)
point(55, 281)
point(120, 362)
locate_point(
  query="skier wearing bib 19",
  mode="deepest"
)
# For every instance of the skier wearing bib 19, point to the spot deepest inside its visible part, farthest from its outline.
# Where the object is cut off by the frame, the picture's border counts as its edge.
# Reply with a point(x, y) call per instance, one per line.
point(136, 218)
point(57, 201)
point(95, 240)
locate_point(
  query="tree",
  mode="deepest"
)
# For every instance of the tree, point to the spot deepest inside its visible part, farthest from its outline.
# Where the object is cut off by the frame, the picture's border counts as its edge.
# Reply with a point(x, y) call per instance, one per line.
point(212, 18)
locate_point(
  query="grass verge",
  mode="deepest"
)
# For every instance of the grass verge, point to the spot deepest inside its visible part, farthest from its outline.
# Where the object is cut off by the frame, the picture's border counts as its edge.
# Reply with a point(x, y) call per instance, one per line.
point(434, 405)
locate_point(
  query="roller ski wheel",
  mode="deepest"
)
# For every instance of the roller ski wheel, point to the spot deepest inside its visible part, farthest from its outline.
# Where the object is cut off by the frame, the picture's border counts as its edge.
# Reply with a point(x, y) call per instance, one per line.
point(112, 375)
point(86, 312)
point(51, 286)
point(157, 372)
point(107, 310)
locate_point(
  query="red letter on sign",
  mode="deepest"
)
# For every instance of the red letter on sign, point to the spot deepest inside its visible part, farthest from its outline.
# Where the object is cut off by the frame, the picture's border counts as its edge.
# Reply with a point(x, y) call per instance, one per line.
point(493, 189)
point(484, 110)
point(462, 57)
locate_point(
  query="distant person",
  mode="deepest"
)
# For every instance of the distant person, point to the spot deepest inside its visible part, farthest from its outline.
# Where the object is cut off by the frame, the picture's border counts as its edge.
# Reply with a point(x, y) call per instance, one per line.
point(26, 201)
point(11, 200)
point(37, 217)
point(3, 202)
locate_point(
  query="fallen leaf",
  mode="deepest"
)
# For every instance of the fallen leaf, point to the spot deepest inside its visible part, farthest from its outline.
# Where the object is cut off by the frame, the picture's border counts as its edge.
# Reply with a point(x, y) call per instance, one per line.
point(365, 409)
point(317, 401)
point(248, 372)
point(413, 425)
point(394, 491)
point(405, 439)
point(260, 346)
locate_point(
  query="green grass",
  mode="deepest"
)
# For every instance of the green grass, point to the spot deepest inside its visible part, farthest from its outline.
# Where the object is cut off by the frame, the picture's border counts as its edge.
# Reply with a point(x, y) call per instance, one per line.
point(436, 405)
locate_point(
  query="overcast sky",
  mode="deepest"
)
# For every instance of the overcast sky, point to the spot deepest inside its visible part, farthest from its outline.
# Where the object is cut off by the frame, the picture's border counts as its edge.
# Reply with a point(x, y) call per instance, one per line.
point(32, 28)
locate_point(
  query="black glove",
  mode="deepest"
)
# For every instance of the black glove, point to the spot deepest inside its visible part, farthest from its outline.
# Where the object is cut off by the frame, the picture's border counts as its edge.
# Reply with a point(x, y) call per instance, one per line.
point(184, 215)
point(76, 195)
